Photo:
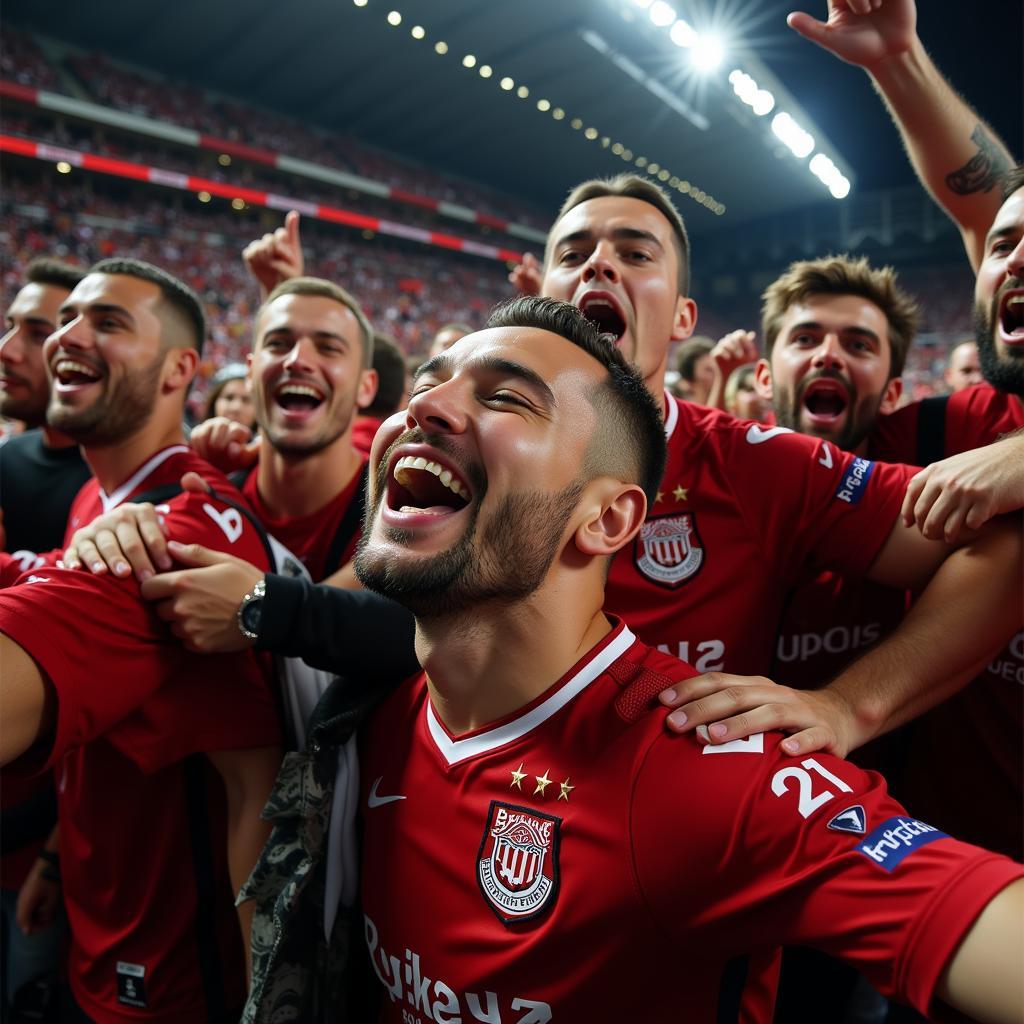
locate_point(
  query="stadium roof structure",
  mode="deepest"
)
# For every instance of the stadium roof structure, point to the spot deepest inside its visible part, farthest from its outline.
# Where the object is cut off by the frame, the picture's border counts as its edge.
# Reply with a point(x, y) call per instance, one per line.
point(533, 96)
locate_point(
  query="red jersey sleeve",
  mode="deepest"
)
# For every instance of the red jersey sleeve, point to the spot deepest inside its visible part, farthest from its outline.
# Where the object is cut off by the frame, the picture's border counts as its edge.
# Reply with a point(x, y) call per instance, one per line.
point(748, 849)
point(117, 669)
point(974, 417)
point(837, 509)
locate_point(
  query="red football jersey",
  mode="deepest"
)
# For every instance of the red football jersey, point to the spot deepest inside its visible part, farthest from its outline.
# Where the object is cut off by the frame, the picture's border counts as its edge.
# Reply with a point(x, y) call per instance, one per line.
point(743, 513)
point(979, 793)
point(576, 862)
point(142, 818)
point(308, 537)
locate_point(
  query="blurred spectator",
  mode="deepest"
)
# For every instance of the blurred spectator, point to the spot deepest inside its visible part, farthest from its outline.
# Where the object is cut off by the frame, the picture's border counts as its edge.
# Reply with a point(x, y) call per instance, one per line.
point(229, 396)
point(447, 336)
point(741, 399)
point(696, 372)
point(391, 392)
point(964, 368)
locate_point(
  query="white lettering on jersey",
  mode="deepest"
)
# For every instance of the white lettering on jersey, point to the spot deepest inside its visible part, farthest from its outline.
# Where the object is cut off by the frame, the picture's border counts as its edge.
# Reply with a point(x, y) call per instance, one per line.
point(758, 435)
point(38, 579)
point(230, 521)
point(747, 745)
point(807, 802)
point(826, 455)
point(439, 1002)
point(709, 654)
point(27, 559)
point(838, 640)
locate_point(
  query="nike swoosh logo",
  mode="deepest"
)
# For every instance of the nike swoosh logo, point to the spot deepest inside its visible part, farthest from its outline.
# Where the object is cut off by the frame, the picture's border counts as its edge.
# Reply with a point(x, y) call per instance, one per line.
point(373, 800)
point(758, 435)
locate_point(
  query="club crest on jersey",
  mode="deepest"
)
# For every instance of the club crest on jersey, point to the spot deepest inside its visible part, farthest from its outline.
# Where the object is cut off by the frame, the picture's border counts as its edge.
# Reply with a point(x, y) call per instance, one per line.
point(518, 863)
point(852, 820)
point(668, 550)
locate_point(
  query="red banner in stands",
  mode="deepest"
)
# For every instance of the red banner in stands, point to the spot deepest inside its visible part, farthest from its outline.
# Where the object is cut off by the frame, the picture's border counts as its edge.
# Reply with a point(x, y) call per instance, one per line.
point(254, 197)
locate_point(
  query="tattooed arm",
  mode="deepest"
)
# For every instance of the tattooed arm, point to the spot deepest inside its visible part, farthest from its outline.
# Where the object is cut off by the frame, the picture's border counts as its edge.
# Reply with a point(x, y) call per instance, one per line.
point(958, 158)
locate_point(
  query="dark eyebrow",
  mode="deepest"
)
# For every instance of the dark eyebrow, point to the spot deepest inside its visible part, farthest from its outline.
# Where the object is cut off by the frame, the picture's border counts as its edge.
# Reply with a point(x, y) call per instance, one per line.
point(619, 234)
point(508, 368)
point(436, 364)
point(98, 307)
point(1005, 231)
point(813, 325)
point(442, 365)
point(291, 332)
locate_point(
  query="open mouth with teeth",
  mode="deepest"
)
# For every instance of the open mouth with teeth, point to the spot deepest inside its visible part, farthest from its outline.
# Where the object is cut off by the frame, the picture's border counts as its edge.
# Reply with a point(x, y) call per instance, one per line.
point(1011, 318)
point(298, 399)
point(70, 373)
point(421, 486)
point(606, 313)
point(825, 401)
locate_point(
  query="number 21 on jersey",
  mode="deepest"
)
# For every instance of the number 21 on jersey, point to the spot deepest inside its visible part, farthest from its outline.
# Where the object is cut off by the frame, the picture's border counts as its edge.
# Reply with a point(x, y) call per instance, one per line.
point(808, 801)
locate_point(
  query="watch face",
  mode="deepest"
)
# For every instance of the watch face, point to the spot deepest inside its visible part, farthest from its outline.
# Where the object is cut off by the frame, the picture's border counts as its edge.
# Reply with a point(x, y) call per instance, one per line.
point(251, 615)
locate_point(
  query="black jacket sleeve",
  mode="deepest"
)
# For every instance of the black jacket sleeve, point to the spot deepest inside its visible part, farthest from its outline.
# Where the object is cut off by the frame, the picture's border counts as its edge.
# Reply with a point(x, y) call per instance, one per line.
point(345, 632)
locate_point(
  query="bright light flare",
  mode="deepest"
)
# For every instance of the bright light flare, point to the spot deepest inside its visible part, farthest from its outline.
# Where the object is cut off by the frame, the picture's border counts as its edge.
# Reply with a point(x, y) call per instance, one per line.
point(707, 52)
point(661, 14)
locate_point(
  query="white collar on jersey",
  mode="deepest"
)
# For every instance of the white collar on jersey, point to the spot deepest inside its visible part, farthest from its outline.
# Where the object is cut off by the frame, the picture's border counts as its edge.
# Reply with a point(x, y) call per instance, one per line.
point(671, 416)
point(479, 743)
point(122, 492)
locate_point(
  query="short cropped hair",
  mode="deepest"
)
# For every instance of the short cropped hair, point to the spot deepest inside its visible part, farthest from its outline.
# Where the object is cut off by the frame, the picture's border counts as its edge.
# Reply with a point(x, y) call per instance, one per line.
point(843, 275)
point(629, 420)
point(632, 186)
point(327, 290)
point(689, 352)
point(1013, 180)
point(178, 298)
point(46, 270)
point(389, 363)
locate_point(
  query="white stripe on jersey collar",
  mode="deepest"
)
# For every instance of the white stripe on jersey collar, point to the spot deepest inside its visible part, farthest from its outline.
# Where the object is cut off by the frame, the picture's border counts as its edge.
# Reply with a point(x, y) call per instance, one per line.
point(455, 751)
point(137, 477)
point(671, 416)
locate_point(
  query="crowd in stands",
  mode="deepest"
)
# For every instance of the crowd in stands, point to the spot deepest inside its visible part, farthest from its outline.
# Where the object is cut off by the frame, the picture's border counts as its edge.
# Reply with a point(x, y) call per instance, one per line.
point(409, 291)
point(186, 105)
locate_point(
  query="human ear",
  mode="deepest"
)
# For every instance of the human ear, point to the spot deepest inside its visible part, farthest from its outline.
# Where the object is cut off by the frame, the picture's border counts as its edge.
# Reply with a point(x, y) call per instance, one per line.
point(763, 380)
point(614, 512)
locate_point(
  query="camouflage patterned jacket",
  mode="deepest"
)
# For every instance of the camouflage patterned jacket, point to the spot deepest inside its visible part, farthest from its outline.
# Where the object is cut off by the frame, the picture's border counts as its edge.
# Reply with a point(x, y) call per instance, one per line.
point(297, 975)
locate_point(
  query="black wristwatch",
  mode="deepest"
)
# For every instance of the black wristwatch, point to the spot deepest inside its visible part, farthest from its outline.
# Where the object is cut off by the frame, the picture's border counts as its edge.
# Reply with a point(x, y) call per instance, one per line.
point(250, 611)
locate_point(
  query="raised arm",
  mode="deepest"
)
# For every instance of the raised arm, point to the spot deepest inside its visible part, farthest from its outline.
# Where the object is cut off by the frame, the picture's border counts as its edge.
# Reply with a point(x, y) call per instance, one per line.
point(957, 157)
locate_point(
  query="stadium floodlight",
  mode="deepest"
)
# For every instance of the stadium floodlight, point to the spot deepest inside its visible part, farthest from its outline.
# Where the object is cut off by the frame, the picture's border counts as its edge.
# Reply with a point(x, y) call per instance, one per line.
point(203, 197)
point(800, 142)
point(627, 155)
point(394, 18)
point(764, 102)
point(663, 174)
point(469, 61)
point(63, 167)
point(558, 113)
point(418, 31)
point(543, 106)
point(661, 13)
point(653, 168)
point(522, 92)
point(441, 47)
point(643, 4)
point(360, 3)
point(507, 84)
point(707, 53)
point(576, 124)
point(591, 133)
point(617, 148)
point(683, 34)
point(840, 188)
point(641, 161)
point(486, 71)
